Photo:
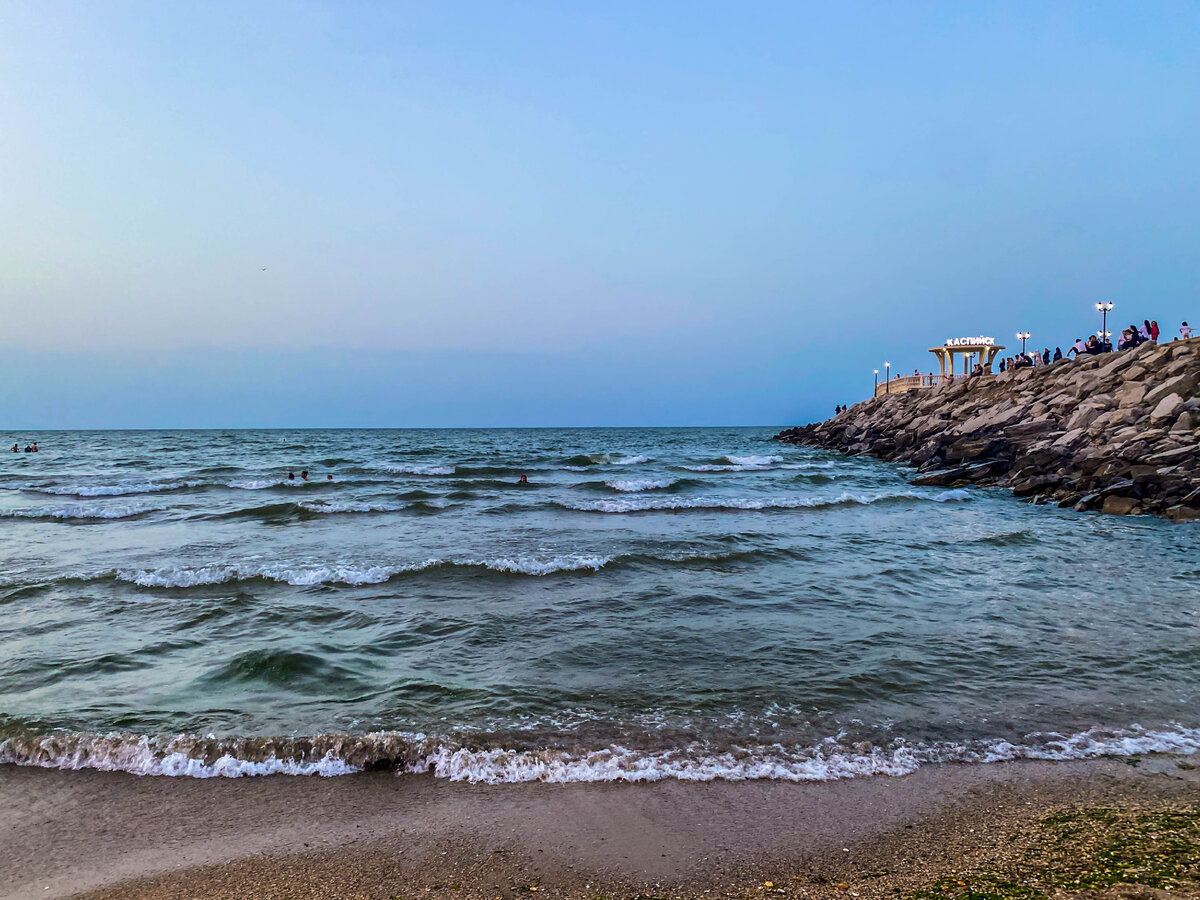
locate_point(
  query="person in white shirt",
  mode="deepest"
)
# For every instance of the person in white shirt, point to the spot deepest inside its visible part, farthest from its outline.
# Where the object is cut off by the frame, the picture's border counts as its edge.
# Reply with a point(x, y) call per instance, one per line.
point(1077, 348)
point(1186, 331)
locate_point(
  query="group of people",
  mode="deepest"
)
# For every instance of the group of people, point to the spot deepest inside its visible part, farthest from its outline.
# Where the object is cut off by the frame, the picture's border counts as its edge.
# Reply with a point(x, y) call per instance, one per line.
point(1025, 360)
point(29, 448)
point(304, 476)
point(1131, 337)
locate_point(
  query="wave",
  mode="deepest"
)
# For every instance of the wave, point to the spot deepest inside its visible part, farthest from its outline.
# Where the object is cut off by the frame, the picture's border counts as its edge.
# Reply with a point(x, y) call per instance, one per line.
point(586, 460)
point(78, 513)
point(635, 485)
point(347, 573)
point(357, 574)
point(187, 755)
point(120, 489)
point(421, 470)
point(278, 513)
point(672, 504)
point(262, 484)
point(736, 464)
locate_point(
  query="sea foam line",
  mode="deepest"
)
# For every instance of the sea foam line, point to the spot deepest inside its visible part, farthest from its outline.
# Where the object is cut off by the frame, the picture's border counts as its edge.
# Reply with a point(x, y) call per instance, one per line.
point(328, 755)
point(79, 512)
point(350, 574)
point(666, 504)
point(120, 489)
point(634, 485)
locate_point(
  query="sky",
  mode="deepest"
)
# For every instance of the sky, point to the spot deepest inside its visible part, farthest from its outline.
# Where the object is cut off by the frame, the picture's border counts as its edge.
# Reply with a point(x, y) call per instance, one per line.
point(504, 214)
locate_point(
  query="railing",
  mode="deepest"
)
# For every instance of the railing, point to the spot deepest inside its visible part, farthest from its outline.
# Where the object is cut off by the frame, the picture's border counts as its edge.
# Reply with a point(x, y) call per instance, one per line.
point(903, 383)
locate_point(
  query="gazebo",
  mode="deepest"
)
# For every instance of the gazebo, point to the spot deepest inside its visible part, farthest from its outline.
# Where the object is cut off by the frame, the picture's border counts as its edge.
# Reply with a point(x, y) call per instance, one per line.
point(985, 347)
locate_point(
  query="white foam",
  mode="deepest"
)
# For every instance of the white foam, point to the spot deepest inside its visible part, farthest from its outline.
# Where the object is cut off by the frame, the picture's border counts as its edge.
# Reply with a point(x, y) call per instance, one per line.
point(255, 484)
point(660, 504)
point(300, 575)
point(525, 565)
point(634, 485)
point(330, 507)
point(616, 763)
point(753, 460)
point(738, 464)
point(115, 753)
point(630, 460)
point(828, 760)
point(115, 490)
point(79, 511)
point(421, 470)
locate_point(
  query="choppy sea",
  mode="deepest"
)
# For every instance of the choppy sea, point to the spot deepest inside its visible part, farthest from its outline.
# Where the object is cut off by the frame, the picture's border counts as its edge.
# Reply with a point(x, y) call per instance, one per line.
point(653, 603)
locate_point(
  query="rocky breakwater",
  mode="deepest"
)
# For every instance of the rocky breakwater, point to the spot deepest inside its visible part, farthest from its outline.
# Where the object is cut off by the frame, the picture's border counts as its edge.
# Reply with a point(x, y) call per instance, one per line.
point(1116, 432)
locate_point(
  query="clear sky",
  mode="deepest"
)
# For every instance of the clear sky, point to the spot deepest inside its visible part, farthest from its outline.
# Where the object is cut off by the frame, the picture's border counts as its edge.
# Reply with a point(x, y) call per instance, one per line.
point(309, 213)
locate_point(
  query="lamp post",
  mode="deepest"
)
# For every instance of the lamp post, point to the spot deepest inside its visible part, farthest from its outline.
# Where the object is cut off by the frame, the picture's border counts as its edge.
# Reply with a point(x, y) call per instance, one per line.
point(887, 377)
point(876, 392)
point(1023, 336)
point(1104, 308)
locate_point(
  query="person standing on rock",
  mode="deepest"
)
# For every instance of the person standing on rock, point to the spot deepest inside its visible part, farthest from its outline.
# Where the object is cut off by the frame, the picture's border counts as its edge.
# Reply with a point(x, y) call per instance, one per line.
point(1185, 330)
point(1057, 353)
point(1154, 332)
point(1045, 356)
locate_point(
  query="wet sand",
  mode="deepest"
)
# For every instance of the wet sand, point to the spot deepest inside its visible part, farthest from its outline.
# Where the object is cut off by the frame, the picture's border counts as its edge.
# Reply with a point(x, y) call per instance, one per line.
point(110, 835)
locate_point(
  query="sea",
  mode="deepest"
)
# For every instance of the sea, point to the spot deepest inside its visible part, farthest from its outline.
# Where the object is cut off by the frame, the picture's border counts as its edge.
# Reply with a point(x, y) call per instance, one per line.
point(672, 603)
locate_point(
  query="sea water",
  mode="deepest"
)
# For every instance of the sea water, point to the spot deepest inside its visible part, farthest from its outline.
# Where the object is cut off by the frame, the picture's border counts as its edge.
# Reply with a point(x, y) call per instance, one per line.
point(653, 603)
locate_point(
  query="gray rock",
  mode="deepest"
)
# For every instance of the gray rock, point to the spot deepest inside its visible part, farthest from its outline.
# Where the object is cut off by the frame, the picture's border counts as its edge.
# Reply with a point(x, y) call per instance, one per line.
point(1168, 407)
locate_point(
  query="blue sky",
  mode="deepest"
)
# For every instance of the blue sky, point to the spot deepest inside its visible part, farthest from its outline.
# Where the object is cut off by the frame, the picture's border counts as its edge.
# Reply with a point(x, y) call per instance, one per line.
point(537, 214)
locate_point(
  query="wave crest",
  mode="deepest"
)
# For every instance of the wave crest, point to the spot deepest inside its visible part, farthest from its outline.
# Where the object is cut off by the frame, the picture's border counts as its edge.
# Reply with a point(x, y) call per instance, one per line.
point(680, 504)
point(185, 755)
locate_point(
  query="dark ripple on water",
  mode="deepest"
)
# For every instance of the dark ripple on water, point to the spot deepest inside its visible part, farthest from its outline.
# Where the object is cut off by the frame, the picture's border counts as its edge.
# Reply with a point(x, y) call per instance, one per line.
point(690, 603)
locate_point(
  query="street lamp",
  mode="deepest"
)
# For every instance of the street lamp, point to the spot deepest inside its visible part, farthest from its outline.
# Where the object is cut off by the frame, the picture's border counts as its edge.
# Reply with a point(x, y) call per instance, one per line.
point(1104, 308)
point(876, 383)
point(1022, 336)
point(887, 377)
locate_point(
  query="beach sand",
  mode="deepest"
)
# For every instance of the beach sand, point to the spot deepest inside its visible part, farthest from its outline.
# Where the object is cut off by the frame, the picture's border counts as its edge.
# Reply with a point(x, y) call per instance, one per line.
point(377, 835)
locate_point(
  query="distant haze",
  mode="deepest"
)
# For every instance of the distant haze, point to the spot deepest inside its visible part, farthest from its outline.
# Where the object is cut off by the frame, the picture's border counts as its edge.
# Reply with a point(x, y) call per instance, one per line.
point(306, 213)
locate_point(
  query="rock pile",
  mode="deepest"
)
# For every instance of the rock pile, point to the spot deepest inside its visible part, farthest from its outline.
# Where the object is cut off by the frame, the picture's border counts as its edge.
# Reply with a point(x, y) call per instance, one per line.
point(1115, 432)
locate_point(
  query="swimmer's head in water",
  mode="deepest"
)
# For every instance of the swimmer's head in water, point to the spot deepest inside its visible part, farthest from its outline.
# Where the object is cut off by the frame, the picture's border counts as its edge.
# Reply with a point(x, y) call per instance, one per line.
point(329, 478)
point(524, 479)
point(291, 476)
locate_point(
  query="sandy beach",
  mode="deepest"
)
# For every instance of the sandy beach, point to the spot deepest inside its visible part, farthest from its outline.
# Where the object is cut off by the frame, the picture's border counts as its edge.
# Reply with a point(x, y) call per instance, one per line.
point(101, 835)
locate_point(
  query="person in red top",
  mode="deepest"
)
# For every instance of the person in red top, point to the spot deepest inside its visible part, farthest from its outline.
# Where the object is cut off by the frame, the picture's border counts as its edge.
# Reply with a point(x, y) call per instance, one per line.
point(1153, 330)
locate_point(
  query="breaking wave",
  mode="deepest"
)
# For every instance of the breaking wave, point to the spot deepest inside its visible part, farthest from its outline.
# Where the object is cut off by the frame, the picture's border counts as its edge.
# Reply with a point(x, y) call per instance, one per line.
point(635, 485)
point(674, 504)
point(79, 513)
point(120, 489)
point(585, 460)
point(421, 470)
point(349, 574)
point(352, 574)
point(279, 513)
point(194, 756)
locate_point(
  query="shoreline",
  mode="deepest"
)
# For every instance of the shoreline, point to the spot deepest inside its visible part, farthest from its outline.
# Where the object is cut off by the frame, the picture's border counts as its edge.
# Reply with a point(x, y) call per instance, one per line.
point(107, 835)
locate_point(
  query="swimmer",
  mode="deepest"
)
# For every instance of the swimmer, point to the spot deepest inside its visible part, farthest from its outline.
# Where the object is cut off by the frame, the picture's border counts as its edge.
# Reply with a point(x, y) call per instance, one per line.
point(304, 475)
point(329, 478)
point(524, 480)
point(15, 450)
point(291, 476)
point(35, 449)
